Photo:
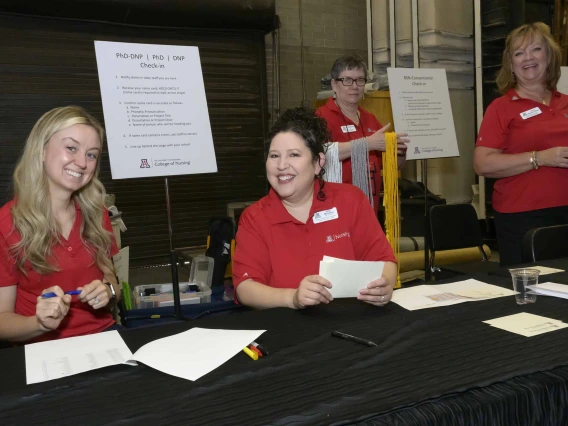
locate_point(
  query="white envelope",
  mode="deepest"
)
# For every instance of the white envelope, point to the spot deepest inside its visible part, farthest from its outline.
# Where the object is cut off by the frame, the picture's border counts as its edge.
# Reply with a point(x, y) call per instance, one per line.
point(349, 276)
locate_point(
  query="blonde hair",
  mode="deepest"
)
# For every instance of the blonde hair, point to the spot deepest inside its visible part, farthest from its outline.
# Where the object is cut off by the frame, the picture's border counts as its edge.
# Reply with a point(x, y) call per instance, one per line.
point(505, 78)
point(31, 213)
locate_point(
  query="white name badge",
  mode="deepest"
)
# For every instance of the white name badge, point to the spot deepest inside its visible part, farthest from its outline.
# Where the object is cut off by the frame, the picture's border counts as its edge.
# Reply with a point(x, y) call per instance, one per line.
point(325, 215)
point(531, 113)
point(348, 129)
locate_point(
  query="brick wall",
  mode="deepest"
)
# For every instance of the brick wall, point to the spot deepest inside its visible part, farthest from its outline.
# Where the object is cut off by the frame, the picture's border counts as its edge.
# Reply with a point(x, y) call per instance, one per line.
point(330, 28)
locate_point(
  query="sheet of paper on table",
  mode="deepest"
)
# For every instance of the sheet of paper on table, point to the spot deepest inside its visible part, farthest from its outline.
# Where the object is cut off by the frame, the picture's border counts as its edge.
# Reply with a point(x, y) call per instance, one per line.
point(551, 289)
point(433, 296)
point(544, 270)
point(349, 276)
point(189, 355)
point(526, 324)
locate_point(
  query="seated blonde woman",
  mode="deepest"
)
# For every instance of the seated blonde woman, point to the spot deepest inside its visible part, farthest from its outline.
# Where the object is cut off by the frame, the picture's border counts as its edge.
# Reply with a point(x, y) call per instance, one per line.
point(56, 236)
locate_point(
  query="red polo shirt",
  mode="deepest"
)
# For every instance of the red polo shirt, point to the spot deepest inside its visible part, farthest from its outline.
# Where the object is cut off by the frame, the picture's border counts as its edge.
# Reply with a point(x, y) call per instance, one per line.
point(503, 128)
point(275, 249)
point(338, 124)
point(76, 268)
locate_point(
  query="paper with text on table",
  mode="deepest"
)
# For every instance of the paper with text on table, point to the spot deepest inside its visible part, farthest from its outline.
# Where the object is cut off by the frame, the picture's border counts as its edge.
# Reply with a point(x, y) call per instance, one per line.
point(433, 296)
point(526, 324)
point(347, 277)
point(188, 355)
point(65, 357)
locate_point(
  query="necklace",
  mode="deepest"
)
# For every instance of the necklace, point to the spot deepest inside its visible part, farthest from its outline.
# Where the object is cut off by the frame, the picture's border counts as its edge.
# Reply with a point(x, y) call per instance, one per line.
point(530, 96)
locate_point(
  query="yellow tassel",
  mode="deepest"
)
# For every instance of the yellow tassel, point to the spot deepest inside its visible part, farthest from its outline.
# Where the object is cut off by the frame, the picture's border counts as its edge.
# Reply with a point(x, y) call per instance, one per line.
point(391, 198)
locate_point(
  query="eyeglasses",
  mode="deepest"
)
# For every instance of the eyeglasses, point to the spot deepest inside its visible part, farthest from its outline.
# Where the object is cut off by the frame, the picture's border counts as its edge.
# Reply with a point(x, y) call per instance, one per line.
point(348, 81)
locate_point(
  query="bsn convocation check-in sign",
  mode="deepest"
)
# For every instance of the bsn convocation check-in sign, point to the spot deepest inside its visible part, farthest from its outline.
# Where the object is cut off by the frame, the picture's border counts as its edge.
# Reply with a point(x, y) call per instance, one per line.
point(155, 110)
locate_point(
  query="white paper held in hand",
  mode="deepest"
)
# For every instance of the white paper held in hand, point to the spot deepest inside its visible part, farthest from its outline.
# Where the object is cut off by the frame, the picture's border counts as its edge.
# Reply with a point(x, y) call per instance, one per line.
point(349, 276)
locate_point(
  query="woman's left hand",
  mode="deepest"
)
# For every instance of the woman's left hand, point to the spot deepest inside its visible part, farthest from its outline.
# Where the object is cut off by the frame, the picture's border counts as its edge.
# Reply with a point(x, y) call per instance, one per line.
point(378, 292)
point(96, 294)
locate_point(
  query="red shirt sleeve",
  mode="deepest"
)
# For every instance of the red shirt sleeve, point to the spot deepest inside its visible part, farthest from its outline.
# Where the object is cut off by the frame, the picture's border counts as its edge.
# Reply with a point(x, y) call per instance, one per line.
point(9, 274)
point(494, 130)
point(251, 260)
point(108, 226)
point(370, 242)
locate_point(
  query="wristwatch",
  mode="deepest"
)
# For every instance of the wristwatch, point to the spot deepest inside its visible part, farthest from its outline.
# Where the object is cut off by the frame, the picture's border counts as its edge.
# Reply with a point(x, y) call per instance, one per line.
point(112, 292)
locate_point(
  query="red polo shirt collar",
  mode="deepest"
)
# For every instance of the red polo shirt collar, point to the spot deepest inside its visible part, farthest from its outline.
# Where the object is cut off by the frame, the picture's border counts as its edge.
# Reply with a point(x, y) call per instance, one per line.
point(333, 107)
point(279, 214)
point(514, 96)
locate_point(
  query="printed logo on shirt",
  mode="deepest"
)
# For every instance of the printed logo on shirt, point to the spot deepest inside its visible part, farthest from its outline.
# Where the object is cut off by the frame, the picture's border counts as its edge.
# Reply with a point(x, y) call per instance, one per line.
point(566, 114)
point(335, 237)
point(245, 274)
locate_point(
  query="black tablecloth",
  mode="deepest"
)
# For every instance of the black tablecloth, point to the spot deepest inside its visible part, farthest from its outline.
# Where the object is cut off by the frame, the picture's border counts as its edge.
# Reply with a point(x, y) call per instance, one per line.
point(433, 366)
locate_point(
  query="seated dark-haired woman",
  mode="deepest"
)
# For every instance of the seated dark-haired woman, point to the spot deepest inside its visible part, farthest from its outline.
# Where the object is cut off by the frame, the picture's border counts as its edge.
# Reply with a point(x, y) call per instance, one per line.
point(283, 237)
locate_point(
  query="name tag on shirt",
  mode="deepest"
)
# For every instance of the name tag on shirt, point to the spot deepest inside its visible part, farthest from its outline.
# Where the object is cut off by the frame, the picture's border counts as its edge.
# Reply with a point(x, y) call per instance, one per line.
point(325, 215)
point(531, 113)
point(348, 129)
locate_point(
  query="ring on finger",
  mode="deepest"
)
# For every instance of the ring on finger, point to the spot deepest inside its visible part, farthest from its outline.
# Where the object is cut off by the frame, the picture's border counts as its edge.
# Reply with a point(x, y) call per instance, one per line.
point(383, 298)
point(96, 301)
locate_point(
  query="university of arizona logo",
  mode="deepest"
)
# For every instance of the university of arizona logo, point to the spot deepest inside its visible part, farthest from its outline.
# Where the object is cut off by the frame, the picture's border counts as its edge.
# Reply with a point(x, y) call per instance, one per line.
point(144, 164)
point(416, 150)
point(317, 215)
point(566, 115)
point(329, 239)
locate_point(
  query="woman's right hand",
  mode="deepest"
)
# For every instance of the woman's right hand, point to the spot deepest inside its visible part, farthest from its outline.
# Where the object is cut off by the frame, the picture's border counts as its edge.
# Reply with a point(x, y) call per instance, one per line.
point(377, 141)
point(312, 291)
point(51, 311)
point(553, 157)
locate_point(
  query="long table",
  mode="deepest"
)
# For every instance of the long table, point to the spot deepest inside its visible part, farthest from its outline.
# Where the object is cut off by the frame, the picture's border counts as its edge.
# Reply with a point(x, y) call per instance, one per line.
point(439, 366)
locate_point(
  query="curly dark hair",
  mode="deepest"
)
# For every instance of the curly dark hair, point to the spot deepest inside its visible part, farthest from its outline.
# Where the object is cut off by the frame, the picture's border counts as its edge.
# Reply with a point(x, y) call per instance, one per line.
point(311, 128)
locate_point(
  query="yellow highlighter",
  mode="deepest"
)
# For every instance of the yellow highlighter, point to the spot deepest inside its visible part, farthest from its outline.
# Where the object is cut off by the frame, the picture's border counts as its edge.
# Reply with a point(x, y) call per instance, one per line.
point(250, 353)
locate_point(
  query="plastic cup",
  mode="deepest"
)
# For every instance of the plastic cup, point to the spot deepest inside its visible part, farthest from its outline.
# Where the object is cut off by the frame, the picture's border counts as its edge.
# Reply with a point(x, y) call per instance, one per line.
point(522, 278)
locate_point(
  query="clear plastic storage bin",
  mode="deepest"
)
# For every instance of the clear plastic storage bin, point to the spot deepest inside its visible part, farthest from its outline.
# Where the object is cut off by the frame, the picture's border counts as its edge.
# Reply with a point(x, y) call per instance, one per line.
point(163, 295)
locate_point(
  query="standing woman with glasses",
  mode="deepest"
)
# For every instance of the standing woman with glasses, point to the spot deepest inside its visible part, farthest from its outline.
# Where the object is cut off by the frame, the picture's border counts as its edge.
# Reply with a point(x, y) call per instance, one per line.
point(357, 137)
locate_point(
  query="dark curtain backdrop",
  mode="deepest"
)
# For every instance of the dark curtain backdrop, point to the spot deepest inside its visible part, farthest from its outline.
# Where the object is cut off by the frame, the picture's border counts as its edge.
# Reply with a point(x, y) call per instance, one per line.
point(47, 63)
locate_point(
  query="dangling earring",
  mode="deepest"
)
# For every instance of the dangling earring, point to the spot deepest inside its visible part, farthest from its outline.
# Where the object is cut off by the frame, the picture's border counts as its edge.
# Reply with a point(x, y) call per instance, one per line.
point(334, 95)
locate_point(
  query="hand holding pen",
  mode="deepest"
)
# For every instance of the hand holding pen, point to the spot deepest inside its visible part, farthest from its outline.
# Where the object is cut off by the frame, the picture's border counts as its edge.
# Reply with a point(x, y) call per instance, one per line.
point(51, 309)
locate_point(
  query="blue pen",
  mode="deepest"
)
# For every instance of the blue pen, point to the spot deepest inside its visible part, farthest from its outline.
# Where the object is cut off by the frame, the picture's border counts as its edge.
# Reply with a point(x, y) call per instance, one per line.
point(51, 294)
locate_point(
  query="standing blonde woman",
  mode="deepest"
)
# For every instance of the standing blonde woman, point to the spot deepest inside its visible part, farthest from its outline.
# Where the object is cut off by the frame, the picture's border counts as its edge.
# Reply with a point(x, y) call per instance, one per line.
point(523, 140)
point(56, 236)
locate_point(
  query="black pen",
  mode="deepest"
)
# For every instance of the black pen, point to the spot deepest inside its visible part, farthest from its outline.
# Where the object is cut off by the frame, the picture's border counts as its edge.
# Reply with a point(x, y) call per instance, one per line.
point(352, 338)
